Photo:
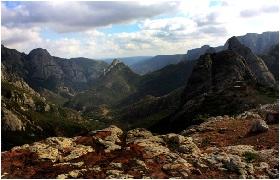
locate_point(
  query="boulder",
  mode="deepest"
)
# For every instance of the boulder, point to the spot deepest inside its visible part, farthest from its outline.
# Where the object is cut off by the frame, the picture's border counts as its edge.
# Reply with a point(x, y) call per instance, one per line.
point(272, 118)
point(259, 126)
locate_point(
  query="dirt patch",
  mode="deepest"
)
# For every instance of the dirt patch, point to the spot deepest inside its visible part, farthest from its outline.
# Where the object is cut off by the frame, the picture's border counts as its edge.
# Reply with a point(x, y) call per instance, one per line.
point(235, 132)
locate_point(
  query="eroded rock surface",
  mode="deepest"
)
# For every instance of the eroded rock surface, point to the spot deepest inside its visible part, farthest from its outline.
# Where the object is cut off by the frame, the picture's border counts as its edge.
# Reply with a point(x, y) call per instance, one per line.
point(221, 147)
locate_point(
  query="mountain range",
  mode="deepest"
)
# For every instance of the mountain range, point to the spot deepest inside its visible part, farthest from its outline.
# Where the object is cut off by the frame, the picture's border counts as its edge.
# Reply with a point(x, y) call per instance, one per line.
point(44, 96)
point(258, 43)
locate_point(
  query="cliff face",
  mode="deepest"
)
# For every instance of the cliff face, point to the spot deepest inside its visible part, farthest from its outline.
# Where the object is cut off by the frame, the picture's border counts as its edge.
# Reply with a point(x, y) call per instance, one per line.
point(256, 64)
point(42, 65)
point(216, 72)
point(271, 59)
point(221, 147)
point(259, 43)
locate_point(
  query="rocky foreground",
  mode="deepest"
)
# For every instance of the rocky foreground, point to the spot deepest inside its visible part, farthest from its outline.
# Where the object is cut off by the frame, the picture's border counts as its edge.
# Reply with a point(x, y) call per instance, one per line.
point(243, 146)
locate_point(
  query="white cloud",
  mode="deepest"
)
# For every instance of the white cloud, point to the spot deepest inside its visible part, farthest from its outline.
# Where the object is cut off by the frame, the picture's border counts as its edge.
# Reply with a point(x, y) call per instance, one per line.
point(80, 16)
point(193, 25)
point(13, 36)
point(26, 39)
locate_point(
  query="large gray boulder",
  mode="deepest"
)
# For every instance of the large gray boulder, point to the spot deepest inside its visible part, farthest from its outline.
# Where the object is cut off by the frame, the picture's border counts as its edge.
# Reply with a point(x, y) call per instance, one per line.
point(259, 126)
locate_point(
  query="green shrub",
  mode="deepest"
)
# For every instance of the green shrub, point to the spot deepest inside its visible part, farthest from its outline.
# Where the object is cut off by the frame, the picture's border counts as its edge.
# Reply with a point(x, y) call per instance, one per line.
point(250, 156)
point(205, 142)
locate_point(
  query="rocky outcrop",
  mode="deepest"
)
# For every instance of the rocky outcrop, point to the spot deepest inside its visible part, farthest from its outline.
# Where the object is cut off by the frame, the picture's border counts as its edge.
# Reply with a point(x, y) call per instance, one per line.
point(112, 65)
point(256, 64)
point(138, 153)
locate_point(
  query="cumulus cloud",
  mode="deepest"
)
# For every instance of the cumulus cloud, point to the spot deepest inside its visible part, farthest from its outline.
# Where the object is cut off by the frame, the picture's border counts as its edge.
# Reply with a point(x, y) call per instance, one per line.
point(80, 16)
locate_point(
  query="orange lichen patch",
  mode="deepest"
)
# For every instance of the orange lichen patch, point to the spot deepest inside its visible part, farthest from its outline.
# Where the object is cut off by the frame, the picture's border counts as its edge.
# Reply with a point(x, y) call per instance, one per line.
point(235, 132)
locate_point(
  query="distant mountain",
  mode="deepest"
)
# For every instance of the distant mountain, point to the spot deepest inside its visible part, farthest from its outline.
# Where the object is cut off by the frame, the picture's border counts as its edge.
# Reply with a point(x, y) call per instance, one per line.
point(129, 60)
point(258, 43)
point(41, 70)
point(271, 59)
point(156, 63)
point(117, 82)
point(194, 54)
point(165, 80)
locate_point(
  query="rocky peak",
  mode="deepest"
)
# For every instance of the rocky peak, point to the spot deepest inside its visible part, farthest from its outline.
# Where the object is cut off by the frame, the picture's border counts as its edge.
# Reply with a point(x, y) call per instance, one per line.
point(205, 46)
point(256, 64)
point(39, 52)
point(42, 66)
point(115, 63)
point(233, 43)
point(216, 72)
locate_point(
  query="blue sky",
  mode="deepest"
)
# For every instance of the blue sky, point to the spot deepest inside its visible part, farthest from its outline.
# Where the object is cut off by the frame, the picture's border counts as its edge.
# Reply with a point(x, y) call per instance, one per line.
point(116, 29)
